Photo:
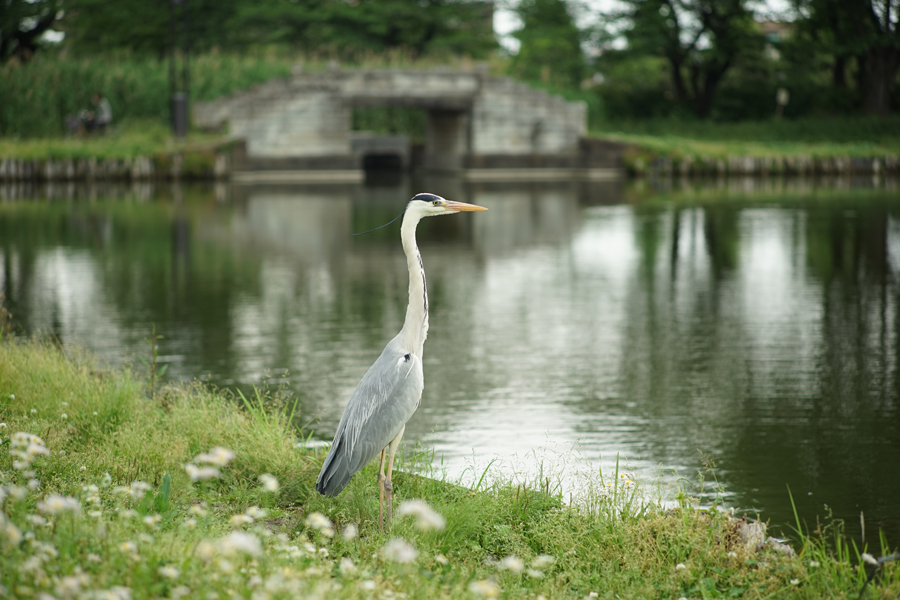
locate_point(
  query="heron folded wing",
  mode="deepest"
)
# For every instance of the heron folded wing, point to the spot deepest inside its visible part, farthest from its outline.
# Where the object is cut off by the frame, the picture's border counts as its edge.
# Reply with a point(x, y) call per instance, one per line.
point(384, 400)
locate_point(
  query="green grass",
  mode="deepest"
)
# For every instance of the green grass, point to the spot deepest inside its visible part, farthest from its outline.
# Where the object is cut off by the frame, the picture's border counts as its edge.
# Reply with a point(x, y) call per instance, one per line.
point(101, 429)
point(813, 137)
point(127, 140)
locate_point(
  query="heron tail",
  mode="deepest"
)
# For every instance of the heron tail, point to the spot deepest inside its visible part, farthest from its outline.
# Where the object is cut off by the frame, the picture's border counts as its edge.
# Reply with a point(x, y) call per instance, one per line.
point(336, 471)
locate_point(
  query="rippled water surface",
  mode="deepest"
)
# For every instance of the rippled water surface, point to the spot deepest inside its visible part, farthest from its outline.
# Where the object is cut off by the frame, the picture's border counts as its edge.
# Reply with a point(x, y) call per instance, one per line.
point(752, 323)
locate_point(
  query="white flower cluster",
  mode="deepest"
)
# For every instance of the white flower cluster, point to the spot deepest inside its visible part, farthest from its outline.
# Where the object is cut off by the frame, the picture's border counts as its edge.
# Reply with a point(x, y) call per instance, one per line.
point(426, 517)
point(210, 463)
point(55, 504)
point(24, 448)
point(248, 516)
point(235, 543)
point(269, 482)
point(136, 490)
point(400, 551)
point(320, 523)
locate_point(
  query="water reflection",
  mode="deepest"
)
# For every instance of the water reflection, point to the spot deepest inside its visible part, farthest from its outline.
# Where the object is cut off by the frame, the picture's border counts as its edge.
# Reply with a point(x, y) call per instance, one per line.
point(753, 321)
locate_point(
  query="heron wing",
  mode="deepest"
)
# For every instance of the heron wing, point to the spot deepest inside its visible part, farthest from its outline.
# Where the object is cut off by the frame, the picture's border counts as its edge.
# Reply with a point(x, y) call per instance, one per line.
point(384, 400)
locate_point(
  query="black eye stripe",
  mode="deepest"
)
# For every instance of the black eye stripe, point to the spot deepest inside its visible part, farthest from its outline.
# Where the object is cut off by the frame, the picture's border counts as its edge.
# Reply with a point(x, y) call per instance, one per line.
point(427, 197)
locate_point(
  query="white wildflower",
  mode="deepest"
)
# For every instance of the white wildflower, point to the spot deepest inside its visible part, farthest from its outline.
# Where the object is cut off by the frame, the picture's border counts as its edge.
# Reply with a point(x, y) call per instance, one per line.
point(12, 533)
point(238, 542)
point(205, 550)
point(201, 473)
point(71, 585)
point(64, 416)
point(795, 581)
point(24, 448)
point(190, 523)
point(535, 573)
point(55, 504)
point(269, 482)
point(36, 520)
point(152, 521)
point(814, 563)
point(139, 488)
point(680, 566)
point(96, 514)
point(542, 561)
point(179, 592)
point(33, 484)
point(400, 551)
point(94, 558)
point(240, 520)
point(128, 547)
point(485, 587)
point(511, 563)
point(127, 513)
point(440, 558)
point(169, 572)
point(198, 510)
point(218, 456)
point(350, 531)
point(347, 566)
point(255, 512)
point(323, 552)
point(426, 517)
point(731, 555)
point(320, 523)
point(368, 585)
point(225, 566)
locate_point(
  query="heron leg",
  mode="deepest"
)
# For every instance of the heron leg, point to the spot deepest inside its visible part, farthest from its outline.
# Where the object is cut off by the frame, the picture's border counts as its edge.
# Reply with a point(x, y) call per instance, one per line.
point(381, 493)
point(388, 486)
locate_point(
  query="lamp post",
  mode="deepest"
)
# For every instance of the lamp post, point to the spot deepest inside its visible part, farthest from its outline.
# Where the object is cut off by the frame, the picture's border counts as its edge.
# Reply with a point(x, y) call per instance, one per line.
point(179, 87)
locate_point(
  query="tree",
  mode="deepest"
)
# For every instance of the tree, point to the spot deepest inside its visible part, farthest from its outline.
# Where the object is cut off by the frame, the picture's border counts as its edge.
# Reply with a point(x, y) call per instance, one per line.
point(867, 30)
point(339, 26)
point(700, 39)
point(550, 49)
point(22, 23)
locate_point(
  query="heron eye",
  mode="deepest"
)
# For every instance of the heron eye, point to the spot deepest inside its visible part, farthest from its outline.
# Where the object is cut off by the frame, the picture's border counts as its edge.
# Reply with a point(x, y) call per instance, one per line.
point(406, 357)
point(437, 202)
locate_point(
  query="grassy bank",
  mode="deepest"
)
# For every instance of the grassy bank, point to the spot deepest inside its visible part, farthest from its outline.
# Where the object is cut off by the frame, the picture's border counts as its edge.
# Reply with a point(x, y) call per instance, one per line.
point(102, 506)
point(136, 138)
point(704, 142)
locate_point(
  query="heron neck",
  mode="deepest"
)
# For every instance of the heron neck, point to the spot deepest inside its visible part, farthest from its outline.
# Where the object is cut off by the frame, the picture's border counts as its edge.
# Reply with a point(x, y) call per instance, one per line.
point(415, 327)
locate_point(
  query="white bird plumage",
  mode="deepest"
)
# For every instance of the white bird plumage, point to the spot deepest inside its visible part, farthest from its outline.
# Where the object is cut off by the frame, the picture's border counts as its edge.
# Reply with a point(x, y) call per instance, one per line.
point(389, 393)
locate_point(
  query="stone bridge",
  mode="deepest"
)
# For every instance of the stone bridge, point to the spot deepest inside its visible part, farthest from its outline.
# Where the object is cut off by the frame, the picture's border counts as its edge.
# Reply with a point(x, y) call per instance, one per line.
point(474, 121)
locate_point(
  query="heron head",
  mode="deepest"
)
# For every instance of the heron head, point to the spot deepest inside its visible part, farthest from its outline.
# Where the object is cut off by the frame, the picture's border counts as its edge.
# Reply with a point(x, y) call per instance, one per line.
point(431, 205)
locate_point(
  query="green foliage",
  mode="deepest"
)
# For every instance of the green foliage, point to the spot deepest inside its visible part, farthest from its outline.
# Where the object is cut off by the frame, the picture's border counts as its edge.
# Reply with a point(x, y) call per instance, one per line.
point(22, 22)
point(36, 97)
point(550, 50)
point(341, 28)
point(172, 537)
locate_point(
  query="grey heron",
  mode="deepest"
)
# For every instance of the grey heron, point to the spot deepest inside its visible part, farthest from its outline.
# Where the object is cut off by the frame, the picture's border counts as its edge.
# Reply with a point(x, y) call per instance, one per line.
point(389, 393)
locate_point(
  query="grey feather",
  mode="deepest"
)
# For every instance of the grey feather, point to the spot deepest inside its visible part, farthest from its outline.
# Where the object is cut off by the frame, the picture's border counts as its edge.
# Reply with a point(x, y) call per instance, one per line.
point(385, 399)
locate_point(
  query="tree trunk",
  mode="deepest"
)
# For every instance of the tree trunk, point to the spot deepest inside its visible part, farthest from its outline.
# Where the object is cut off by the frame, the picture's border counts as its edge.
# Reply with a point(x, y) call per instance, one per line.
point(677, 78)
point(839, 72)
point(881, 66)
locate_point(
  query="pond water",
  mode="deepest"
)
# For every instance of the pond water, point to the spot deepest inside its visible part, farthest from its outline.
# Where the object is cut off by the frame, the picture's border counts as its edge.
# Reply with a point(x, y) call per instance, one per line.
point(753, 323)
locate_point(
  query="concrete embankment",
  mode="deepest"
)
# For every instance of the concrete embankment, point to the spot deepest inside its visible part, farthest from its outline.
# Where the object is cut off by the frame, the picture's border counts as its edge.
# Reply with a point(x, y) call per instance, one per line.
point(204, 164)
point(638, 163)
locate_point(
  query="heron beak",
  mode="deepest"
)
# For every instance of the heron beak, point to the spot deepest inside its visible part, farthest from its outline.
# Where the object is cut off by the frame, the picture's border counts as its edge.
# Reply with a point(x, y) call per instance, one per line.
point(462, 206)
